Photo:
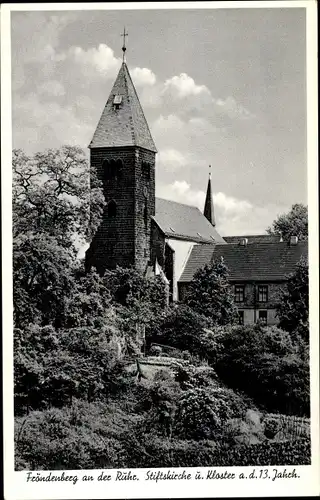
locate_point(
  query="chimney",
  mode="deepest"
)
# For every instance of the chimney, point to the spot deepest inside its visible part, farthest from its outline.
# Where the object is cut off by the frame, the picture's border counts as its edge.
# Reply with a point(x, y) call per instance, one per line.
point(293, 240)
point(244, 242)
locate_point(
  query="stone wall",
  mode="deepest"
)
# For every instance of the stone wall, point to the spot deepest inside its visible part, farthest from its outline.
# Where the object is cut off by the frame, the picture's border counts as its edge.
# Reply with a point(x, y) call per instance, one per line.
point(124, 240)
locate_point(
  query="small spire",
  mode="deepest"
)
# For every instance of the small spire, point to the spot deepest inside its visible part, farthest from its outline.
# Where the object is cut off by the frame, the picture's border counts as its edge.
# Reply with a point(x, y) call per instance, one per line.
point(124, 34)
point(208, 205)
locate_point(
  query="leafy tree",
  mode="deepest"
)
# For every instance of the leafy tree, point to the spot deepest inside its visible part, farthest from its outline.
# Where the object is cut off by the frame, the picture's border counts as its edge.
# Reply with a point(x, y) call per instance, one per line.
point(54, 211)
point(180, 327)
point(210, 294)
point(128, 287)
point(55, 193)
point(293, 308)
point(88, 303)
point(268, 365)
point(52, 368)
point(294, 223)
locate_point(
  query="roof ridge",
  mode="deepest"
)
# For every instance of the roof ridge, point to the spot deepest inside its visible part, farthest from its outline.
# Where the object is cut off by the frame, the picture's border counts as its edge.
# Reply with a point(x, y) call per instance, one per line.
point(136, 94)
point(248, 235)
point(178, 203)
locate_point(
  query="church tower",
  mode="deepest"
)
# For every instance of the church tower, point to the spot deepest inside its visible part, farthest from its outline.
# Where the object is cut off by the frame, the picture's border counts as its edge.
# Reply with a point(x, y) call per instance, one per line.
point(208, 205)
point(123, 153)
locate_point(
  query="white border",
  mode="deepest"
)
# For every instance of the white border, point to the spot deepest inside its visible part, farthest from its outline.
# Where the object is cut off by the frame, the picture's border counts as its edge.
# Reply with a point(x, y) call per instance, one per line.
point(15, 485)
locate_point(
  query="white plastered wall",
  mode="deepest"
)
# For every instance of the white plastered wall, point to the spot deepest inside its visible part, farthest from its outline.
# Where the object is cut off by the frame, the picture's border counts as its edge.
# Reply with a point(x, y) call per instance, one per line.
point(182, 250)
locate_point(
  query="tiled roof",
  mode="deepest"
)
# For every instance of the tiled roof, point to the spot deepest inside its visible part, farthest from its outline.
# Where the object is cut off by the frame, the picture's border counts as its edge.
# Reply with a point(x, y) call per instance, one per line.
point(254, 262)
point(125, 126)
point(184, 222)
point(254, 238)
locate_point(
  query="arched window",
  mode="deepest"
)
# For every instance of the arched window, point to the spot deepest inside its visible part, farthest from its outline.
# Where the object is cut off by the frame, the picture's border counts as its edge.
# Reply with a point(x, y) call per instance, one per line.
point(112, 169)
point(112, 209)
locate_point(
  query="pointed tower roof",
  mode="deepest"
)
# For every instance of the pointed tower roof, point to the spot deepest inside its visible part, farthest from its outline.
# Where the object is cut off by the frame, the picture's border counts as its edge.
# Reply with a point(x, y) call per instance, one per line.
point(208, 205)
point(122, 122)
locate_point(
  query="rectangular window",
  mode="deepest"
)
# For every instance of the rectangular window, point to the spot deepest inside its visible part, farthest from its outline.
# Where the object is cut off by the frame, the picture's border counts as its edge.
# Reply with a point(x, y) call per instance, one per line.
point(262, 293)
point(263, 317)
point(239, 293)
point(241, 317)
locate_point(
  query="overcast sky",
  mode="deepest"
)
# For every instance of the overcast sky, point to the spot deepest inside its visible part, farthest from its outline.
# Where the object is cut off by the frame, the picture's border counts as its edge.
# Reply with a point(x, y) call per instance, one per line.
point(220, 87)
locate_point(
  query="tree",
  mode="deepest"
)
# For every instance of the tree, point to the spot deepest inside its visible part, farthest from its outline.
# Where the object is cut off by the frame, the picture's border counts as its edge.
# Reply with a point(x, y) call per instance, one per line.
point(55, 193)
point(210, 294)
point(180, 327)
point(268, 365)
point(294, 223)
point(54, 212)
point(293, 308)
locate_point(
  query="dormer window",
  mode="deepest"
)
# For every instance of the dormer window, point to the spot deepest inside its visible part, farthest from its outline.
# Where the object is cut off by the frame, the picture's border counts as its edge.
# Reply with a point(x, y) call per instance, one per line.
point(117, 100)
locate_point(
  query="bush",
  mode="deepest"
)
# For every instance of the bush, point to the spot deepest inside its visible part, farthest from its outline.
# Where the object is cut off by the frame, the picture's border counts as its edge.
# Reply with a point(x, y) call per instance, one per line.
point(267, 365)
point(180, 328)
point(158, 452)
point(202, 412)
point(83, 436)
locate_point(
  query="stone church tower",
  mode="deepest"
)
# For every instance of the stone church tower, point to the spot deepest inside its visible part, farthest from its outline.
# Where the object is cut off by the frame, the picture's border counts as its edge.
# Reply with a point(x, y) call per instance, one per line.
point(123, 153)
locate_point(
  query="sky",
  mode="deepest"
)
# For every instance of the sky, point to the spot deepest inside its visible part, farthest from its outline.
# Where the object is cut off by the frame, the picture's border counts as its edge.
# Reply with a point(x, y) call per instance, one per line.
point(219, 87)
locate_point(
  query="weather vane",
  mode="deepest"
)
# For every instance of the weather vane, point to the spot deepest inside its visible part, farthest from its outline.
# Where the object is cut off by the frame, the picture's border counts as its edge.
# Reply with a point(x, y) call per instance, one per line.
point(124, 34)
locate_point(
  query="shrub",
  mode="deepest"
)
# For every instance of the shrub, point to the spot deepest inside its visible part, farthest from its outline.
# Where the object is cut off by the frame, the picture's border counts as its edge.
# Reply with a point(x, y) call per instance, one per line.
point(267, 365)
point(180, 328)
point(201, 413)
point(159, 452)
point(83, 436)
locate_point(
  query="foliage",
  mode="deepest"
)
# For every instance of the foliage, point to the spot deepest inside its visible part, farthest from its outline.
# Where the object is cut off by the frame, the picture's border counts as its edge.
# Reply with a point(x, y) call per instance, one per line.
point(294, 223)
point(82, 436)
point(201, 413)
point(128, 287)
point(54, 211)
point(180, 327)
point(267, 365)
point(89, 436)
point(52, 368)
point(43, 275)
point(210, 294)
point(293, 308)
point(55, 193)
point(88, 303)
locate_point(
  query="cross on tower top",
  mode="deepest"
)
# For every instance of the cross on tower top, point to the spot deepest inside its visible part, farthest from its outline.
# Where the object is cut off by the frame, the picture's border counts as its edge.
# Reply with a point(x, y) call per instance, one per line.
point(124, 34)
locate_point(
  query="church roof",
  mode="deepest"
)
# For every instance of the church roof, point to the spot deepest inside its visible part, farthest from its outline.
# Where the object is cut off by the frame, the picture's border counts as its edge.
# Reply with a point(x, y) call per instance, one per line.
point(254, 262)
point(185, 222)
point(122, 122)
